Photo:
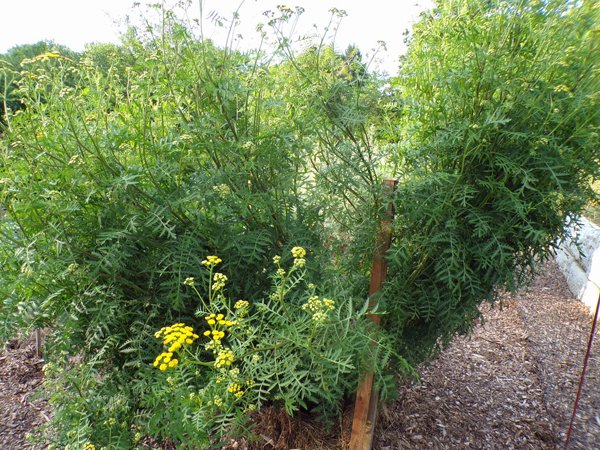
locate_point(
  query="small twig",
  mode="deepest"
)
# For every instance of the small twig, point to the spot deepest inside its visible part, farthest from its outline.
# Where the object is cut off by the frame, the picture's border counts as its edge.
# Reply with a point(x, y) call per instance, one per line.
point(491, 341)
point(583, 369)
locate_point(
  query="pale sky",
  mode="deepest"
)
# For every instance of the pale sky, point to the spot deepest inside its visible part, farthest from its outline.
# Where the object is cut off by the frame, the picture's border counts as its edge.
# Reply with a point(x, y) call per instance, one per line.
point(76, 22)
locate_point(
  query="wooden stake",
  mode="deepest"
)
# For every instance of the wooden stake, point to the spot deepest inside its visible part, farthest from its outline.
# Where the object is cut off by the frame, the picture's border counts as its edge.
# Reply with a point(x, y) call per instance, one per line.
point(38, 343)
point(365, 407)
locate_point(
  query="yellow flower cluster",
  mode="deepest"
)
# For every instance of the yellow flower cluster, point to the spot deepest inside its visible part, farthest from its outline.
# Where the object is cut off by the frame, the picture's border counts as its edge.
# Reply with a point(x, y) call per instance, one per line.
point(218, 326)
point(561, 88)
point(299, 263)
point(235, 389)
point(214, 319)
point(217, 401)
point(319, 307)
point(211, 261)
point(218, 281)
point(42, 57)
point(241, 304)
point(165, 360)
point(174, 336)
point(298, 252)
point(189, 281)
point(225, 358)
point(90, 446)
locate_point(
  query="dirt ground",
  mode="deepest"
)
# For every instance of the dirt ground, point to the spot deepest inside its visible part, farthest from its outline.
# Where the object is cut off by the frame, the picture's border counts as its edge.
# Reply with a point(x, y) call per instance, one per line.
point(20, 411)
point(511, 385)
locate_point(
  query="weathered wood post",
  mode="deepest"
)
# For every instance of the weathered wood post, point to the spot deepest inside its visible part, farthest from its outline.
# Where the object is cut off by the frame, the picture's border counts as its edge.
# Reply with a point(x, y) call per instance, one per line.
point(38, 343)
point(365, 407)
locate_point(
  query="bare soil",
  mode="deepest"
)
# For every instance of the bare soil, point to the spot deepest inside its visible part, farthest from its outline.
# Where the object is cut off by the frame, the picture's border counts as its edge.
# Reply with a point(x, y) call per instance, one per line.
point(510, 385)
point(20, 411)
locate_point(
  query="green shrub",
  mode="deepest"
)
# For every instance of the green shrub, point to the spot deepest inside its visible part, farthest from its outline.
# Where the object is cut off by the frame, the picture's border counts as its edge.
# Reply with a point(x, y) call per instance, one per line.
point(118, 183)
point(499, 141)
point(126, 167)
point(294, 348)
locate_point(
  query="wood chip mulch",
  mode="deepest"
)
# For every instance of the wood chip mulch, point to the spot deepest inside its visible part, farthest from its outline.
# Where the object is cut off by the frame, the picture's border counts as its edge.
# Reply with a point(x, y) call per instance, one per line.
point(20, 409)
point(511, 385)
point(559, 330)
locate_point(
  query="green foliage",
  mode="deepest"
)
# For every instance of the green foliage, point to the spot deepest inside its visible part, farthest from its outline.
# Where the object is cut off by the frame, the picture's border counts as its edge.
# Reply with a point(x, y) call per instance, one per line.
point(499, 141)
point(10, 72)
point(118, 182)
point(293, 348)
point(88, 409)
point(125, 167)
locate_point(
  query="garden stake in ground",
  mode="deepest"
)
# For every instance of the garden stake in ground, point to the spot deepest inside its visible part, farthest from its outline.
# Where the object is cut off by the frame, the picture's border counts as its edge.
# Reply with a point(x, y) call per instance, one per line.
point(365, 408)
point(583, 369)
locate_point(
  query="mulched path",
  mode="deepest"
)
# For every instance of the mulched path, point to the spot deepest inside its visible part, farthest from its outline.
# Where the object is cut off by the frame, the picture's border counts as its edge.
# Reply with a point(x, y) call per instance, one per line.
point(511, 385)
point(20, 411)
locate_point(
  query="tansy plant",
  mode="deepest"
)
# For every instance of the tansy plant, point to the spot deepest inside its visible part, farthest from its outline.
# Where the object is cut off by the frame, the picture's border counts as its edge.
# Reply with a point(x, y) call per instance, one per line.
point(294, 348)
point(174, 337)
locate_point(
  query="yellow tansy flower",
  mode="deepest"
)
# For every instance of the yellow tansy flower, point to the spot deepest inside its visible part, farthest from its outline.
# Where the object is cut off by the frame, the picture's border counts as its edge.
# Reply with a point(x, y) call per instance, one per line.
point(298, 252)
point(211, 261)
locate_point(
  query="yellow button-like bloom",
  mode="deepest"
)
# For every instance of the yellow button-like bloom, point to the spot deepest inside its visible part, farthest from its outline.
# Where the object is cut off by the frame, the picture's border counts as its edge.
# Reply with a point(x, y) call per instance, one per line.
point(218, 335)
point(241, 304)
point(211, 261)
point(298, 252)
point(225, 358)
